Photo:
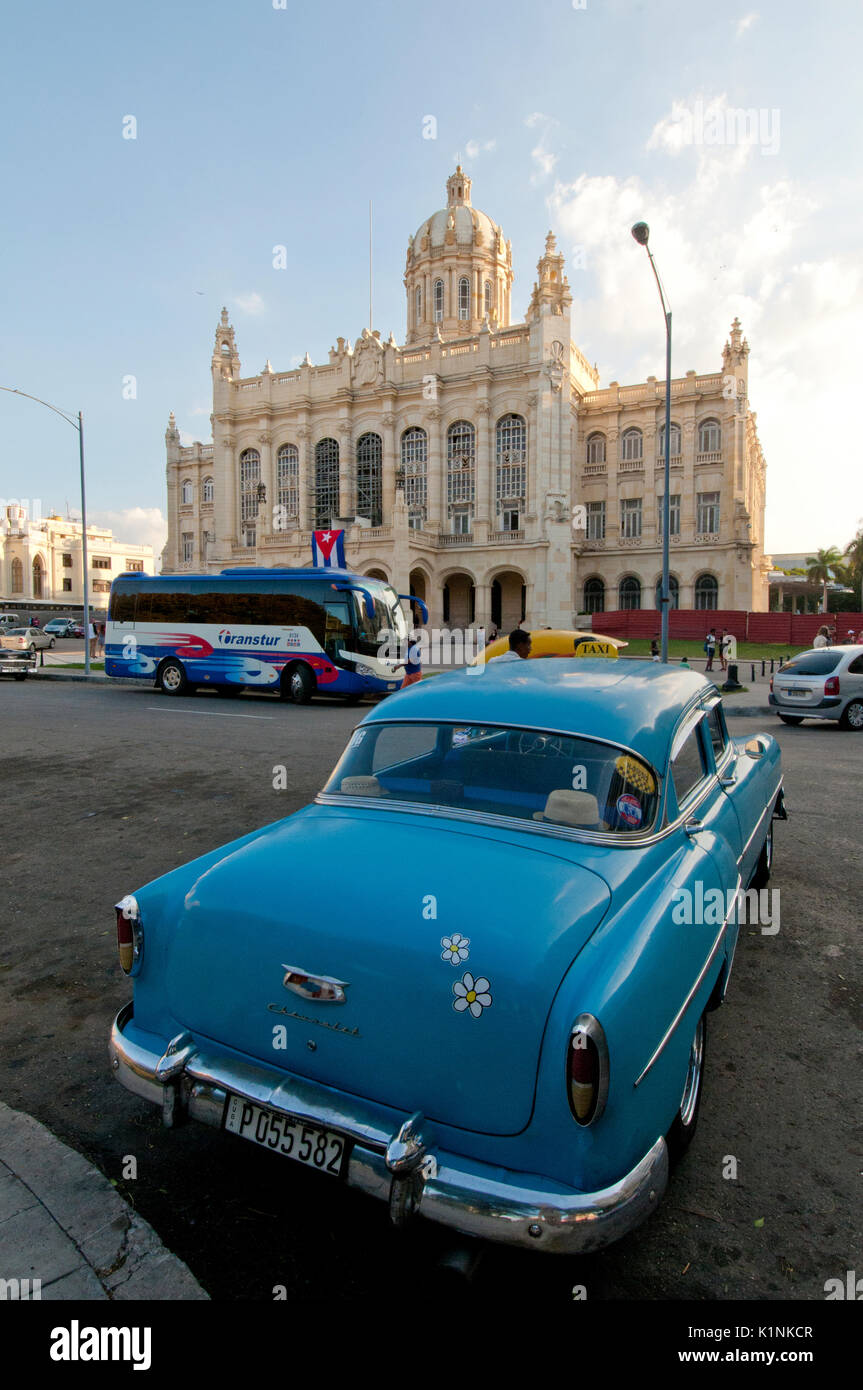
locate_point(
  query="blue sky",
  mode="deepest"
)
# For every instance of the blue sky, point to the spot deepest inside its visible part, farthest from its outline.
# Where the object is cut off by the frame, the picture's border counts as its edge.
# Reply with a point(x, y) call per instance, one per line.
point(259, 126)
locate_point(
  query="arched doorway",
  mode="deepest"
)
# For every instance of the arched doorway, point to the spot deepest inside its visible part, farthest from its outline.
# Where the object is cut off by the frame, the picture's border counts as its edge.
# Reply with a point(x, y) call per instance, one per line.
point(508, 599)
point(377, 574)
point(38, 577)
point(459, 601)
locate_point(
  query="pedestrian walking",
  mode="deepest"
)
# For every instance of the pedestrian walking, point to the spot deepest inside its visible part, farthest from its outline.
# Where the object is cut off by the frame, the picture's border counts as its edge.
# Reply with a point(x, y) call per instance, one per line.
point(100, 639)
point(710, 648)
point(654, 648)
point(723, 648)
point(92, 638)
point(413, 663)
point(821, 639)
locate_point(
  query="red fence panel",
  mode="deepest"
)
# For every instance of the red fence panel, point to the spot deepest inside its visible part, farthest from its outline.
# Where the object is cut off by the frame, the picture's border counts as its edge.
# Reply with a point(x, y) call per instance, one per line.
point(692, 624)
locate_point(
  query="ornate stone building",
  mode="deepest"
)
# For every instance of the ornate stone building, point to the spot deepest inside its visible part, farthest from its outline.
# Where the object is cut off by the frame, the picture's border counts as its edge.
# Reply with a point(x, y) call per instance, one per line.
point(479, 464)
point(41, 560)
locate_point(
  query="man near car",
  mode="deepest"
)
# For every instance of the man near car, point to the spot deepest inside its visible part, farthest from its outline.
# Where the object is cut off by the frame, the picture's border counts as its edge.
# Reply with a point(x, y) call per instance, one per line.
point(710, 648)
point(519, 647)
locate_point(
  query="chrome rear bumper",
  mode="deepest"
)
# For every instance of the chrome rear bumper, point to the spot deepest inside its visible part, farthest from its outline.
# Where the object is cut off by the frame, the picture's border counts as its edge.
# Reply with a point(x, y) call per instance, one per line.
point(399, 1164)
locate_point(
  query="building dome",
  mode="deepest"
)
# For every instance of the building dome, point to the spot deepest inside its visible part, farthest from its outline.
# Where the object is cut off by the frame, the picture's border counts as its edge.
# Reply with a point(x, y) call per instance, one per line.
point(459, 269)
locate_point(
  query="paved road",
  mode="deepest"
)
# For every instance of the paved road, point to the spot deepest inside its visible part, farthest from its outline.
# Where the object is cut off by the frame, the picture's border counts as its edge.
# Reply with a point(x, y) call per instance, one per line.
point(106, 788)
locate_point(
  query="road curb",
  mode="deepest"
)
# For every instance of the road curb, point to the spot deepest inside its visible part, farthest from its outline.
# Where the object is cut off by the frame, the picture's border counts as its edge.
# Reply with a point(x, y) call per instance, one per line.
point(46, 674)
point(63, 1224)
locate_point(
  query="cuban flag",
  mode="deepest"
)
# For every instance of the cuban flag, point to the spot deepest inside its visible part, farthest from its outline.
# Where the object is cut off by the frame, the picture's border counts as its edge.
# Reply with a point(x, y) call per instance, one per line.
point(328, 549)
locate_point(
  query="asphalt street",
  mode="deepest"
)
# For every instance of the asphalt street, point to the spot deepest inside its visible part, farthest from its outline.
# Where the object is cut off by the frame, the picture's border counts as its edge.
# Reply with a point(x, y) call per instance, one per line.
point(108, 787)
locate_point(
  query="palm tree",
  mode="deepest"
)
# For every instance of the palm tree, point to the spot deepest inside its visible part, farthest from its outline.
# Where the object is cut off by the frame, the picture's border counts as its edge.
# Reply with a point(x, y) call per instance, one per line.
point(854, 561)
point(822, 567)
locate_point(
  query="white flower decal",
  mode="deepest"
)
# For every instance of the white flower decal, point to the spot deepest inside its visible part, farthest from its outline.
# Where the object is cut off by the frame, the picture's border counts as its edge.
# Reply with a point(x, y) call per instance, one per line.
point(455, 948)
point(471, 994)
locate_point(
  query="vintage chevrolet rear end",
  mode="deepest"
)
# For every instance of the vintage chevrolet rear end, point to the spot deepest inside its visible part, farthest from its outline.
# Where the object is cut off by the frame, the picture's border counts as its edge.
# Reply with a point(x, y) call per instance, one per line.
point(455, 981)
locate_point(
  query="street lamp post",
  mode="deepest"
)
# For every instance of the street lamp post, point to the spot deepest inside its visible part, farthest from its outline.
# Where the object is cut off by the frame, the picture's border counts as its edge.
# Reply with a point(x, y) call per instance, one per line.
point(641, 232)
point(79, 426)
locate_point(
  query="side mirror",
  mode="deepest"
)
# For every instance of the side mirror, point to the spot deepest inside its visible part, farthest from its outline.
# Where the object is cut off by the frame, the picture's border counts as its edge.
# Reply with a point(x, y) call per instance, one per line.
point(755, 748)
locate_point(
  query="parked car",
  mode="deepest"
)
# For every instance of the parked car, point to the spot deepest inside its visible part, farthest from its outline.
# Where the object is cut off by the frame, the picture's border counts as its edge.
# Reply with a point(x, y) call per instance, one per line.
point(826, 683)
point(32, 638)
point(17, 664)
point(9, 620)
point(77, 630)
point(458, 981)
point(60, 627)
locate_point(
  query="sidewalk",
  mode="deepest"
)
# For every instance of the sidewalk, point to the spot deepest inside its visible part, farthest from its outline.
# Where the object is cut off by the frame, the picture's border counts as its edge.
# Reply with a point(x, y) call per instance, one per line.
point(62, 1223)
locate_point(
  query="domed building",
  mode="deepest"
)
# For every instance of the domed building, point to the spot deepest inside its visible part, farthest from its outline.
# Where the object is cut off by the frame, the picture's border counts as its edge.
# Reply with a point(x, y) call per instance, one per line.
point(479, 465)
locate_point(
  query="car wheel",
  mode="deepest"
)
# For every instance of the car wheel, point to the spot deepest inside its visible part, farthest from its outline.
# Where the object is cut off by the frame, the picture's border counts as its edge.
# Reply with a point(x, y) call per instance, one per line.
point(297, 684)
point(51, 643)
point(791, 719)
point(172, 679)
point(852, 715)
point(679, 1137)
point(32, 648)
point(764, 867)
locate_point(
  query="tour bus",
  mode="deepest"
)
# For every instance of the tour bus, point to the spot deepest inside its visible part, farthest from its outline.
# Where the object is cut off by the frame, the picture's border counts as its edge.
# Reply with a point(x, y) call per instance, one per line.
point(293, 631)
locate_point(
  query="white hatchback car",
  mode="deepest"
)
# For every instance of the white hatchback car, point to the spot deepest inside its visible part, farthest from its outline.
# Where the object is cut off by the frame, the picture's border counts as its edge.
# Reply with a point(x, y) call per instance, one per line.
point(825, 683)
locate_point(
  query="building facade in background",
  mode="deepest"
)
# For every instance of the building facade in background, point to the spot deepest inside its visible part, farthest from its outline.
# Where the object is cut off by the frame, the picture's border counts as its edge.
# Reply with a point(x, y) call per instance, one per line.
point(41, 560)
point(479, 464)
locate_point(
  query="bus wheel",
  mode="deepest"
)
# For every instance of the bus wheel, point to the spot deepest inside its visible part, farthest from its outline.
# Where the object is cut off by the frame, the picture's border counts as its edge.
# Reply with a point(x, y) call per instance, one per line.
point(172, 678)
point(298, 684)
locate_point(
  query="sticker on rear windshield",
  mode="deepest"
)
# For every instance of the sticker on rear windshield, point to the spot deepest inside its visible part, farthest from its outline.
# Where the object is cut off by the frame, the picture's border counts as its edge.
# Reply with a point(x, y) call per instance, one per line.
point(629, 809)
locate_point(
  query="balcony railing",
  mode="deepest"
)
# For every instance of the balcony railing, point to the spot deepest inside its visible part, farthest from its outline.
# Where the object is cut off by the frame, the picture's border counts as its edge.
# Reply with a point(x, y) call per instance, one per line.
point(714, 456)
point(631, 466)
point(465, 538)
point(676, 461)
point(594, 470)
point(506, 536)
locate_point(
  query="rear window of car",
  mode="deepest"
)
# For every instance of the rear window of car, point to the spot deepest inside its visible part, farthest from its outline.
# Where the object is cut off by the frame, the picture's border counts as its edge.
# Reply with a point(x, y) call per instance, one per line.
point(538, 776)
point(811, 664)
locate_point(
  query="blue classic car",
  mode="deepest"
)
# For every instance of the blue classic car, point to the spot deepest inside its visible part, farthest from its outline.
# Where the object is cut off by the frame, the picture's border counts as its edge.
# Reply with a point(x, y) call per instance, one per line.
point(465, 980)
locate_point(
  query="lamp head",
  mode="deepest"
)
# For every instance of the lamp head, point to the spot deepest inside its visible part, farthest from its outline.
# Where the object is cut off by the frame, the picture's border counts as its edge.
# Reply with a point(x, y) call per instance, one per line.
point(641, 232)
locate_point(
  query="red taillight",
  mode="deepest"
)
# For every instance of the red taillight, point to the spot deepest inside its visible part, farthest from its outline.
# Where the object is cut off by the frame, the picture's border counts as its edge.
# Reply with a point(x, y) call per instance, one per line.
point(129, 938)
point(586, 1070)
point(831, 685)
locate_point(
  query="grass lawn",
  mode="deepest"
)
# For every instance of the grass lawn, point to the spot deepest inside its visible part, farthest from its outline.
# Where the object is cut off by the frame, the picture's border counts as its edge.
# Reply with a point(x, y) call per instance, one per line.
point(746, 651)
point(74, 666)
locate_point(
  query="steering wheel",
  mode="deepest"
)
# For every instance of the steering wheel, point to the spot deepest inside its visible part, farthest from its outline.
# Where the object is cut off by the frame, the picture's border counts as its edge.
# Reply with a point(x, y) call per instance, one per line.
point(540, 743)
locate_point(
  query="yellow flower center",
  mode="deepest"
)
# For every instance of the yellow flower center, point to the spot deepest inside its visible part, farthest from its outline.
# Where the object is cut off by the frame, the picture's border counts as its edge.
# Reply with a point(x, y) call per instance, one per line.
point(471, 995)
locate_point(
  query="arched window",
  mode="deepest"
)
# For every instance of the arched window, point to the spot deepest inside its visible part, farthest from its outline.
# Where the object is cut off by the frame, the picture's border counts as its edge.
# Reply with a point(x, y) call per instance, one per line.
point(629, 593)
point(437, 300)
point(464, 298)
point(706, 591)
point(188, 491)
point(633, 444)
point(38, 576)
point(288, 484)
point(675, 441)
point(414, 463)
point(594, 596)
point(418, 304)
point(369, 474)
point(17, 576)
point(709, 437)
point(511, 460)
point(595, 451)
point(488, 298)
point(208, 493)
point(250, 476)
point(673, 592)
point(461, 473)
point(326, 482)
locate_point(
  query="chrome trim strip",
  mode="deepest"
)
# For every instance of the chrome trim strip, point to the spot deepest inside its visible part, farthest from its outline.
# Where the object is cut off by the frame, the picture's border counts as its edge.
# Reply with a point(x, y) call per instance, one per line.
point(470, 1196)
point(694, 990)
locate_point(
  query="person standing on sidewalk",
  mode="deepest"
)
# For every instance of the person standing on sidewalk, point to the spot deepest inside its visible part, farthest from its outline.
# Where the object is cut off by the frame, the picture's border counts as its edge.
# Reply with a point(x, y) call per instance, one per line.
point(100, 639)
point(723, 648)
point(92, 640)
point(710, 648)
point(412, 663)
point(654, 648)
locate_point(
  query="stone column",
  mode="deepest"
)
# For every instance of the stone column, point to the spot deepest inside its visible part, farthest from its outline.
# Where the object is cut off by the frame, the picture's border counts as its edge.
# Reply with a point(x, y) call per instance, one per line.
point(388, 467)
point(435, 472)
point(305, 478)
point(532, 452)
point(484, 506)
point(227, 485)
point(347, 471)
point(265, 510)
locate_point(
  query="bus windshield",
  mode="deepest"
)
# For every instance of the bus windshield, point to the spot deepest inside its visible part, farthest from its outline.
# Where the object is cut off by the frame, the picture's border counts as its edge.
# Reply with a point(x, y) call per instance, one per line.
point(388, 616)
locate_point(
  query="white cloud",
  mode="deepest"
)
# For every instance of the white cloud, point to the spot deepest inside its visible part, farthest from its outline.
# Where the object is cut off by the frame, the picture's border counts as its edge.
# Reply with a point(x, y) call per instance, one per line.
point(250, 303)
point(535, 118)
point(746, 23)
point(135, 526)
point(730, 242)
point(474, 148)
point(200, 410)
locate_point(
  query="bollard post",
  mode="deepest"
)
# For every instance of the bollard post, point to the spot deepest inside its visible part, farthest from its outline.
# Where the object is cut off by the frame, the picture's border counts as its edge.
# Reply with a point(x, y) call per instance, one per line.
point(732, 683)
point(753, 672)
point(762, 666)
point(771, 665)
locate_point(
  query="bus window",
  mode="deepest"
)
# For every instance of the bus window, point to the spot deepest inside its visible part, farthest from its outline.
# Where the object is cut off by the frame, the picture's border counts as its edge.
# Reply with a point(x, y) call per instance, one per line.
point(339, 635)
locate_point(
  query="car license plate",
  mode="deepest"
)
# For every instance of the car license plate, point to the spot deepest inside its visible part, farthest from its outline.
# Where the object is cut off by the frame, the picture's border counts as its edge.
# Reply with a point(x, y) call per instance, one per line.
point(796, 692)
point(317, 1148)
